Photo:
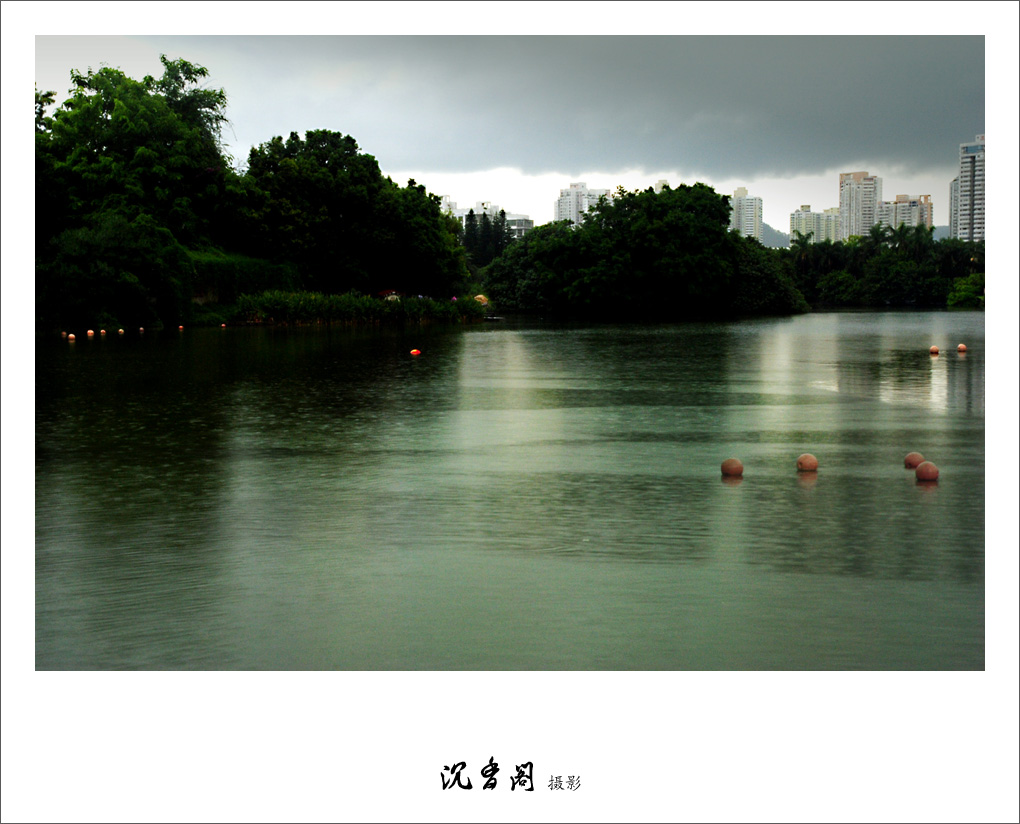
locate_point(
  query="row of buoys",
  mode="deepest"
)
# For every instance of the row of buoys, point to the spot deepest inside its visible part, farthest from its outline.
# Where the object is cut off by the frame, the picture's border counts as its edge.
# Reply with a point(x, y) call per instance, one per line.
point(962, 347)
point(102, 332)
point(924, 470)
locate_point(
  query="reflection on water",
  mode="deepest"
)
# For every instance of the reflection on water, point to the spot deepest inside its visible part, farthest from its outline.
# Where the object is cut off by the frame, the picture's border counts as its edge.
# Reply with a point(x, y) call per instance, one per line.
point(520, 496)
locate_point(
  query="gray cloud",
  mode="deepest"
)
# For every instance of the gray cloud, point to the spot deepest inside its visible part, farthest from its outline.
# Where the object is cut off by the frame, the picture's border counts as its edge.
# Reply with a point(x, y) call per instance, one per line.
point(721, 106)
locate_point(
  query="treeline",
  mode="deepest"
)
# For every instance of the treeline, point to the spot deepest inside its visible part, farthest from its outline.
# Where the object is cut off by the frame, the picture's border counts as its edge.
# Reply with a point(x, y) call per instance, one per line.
point(485, 238)
point(280, 307)
point(889, 267)
point(671, 255)
point(141, 220)
point(644, 255)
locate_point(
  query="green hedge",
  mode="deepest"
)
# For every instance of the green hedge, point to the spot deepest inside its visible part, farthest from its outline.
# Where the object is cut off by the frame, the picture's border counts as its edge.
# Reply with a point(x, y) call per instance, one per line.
point(277, 306)
point(222, 278)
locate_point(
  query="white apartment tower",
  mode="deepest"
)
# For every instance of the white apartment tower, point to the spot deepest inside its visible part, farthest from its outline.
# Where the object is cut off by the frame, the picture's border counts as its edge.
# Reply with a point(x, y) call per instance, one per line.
point(820, 225)
point(954, 208)
point(745, 214)
point(575, 201)
point(970, 211)
point(913, 211)
point(859, 194)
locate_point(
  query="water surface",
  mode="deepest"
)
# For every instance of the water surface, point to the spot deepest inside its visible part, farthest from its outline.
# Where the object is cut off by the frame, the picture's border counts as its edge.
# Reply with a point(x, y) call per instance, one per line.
point(520, 496)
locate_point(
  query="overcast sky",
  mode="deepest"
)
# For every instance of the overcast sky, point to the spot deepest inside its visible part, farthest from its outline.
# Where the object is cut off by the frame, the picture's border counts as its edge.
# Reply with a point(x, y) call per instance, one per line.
point(513, 119)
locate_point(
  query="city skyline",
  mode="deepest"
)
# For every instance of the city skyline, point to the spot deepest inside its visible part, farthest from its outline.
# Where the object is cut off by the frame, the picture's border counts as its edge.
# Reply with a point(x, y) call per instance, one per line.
point(428, 108)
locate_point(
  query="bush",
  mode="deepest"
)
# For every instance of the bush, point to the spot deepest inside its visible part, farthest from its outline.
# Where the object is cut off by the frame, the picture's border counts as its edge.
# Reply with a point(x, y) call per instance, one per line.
point(968, 292)
point(280, 307)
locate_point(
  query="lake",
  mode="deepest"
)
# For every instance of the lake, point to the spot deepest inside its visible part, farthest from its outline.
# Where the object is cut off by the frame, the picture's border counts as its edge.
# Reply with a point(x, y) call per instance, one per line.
point(519, 496)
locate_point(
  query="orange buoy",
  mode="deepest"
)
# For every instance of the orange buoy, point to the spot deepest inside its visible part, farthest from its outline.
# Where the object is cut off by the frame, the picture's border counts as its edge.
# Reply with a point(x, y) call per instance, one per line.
point(934, 350)
point(180, 328)
point(102, 331)
point(732, 467)
point(63, 335)
point(913, 460)
point(223, 326)
point(141, 329)
point(71, 338)
point(961, 348)
point(90, 333)
point(807, 463)
point(927, 471)
point(416, 351)
point(120, 331)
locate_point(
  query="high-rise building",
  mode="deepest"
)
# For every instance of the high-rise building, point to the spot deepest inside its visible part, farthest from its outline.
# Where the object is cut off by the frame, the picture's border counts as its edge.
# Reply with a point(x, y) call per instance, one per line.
point(913, 211)
point(745, 214)
point(575, 201)
point(970, 210)
point(954, 207)
point(820, 225)
point(859, 194)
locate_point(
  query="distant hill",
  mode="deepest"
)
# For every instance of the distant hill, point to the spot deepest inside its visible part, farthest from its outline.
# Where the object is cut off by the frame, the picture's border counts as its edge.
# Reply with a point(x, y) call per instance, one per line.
point(773, 237)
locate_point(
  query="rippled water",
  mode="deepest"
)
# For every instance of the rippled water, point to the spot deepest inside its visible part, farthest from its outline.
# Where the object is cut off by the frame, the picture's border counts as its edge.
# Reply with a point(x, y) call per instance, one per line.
point(519, 496)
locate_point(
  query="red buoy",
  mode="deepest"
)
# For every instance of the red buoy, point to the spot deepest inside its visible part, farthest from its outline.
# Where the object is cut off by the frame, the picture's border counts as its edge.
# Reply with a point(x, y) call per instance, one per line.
point(416, 351)
point(913, 460)
point(807, 463)
point(934, 350)
point(732, 467)
point(961, 348)
point(927, 471)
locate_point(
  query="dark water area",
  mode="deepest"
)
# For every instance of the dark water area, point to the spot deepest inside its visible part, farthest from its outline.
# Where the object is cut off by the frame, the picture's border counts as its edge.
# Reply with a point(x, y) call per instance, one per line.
point(520, 496)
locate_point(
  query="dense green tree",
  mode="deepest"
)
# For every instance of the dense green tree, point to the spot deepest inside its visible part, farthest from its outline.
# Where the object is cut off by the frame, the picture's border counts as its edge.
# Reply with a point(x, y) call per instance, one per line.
point(647, 254)
point(42, 101)
point(327, 208)
point(471, 237)
point(116, 157)
point(904, 266)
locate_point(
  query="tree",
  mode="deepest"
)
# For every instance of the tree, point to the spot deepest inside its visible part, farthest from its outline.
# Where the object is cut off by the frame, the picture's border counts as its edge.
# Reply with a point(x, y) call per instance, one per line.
point(42, 100)
point(665, 255)
point(471, 240)
point(486, 243)
point(125, 182)
point(202, 109)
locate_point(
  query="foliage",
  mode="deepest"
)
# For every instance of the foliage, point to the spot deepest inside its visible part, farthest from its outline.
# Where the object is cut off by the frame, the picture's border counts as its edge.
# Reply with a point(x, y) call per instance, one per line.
point(222, 277)
point(138, 210)
point(904, 266)
point(968, 292)
point(280, 307)
point(133, 272)
point(649, 255)
point(327, 209)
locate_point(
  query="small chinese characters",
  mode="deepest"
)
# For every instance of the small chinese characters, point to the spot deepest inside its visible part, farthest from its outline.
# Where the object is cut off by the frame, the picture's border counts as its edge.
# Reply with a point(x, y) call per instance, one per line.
point(556, 782)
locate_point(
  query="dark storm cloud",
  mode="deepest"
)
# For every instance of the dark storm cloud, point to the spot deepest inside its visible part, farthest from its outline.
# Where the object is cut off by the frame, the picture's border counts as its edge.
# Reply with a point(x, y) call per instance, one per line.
point(725, 106)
